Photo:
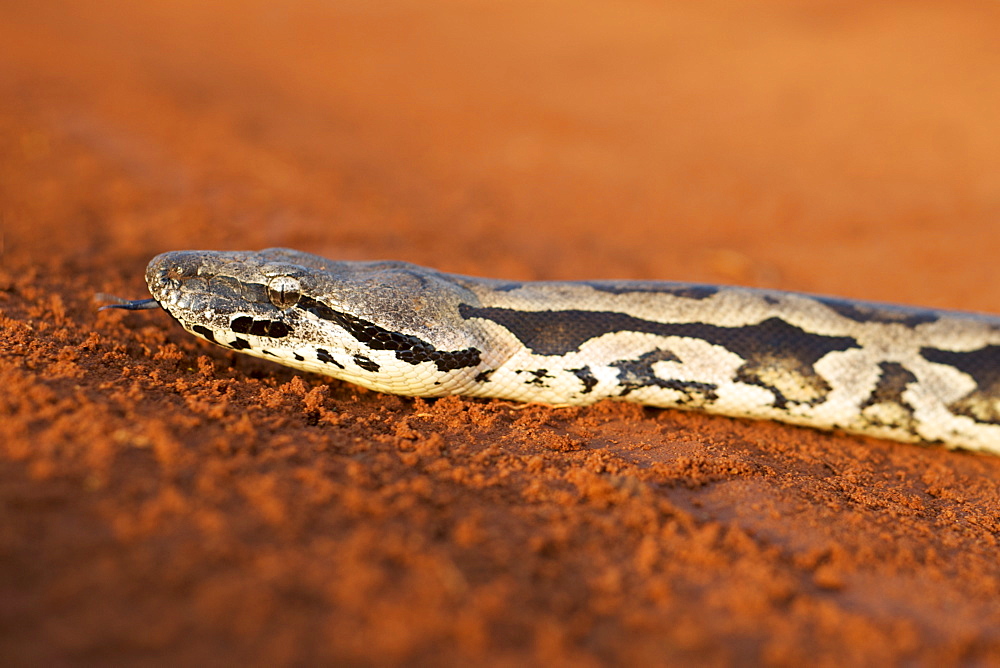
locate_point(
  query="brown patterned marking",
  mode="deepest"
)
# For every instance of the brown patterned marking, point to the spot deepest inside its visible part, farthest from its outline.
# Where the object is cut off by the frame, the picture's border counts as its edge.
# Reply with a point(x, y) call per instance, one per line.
point(562, 332)
point(538, 377)
point(881, 313)
point(885, 407)
point(983, 403)
point(782, 358)
point(638, 374)
point(683, 290)
point(777, 356)
point(586, 377)
point(788, 376)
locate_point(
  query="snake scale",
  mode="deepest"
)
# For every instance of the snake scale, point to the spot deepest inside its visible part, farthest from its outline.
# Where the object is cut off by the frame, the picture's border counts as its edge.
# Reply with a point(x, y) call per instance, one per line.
point(894, 372)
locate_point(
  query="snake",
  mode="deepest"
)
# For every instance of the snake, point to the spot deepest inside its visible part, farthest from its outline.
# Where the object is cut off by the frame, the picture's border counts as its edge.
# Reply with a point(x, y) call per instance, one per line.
point(896, 372)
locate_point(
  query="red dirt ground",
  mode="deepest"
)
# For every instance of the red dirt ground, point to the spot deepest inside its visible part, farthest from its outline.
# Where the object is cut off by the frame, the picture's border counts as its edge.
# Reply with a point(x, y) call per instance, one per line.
point(166, 502)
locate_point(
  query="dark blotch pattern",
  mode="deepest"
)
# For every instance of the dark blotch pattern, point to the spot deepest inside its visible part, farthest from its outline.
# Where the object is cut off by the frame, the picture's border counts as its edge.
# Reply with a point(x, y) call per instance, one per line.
point(204, 331)
point(892, 382)
point(242, 324)
point(781, 357)
point(698, 292)
point(881, 313)
point(507, 287)
point(274, 329)
point(627, 287)
point(562, 332)
point(638, 373)
point(366, 363)
point(410, 349)
point(240, 344)
point(324, 356)
point(586, 377)
point(484, 376)
point(551, 332)
point(538, 377)
point(983, 403)
point(777, 356)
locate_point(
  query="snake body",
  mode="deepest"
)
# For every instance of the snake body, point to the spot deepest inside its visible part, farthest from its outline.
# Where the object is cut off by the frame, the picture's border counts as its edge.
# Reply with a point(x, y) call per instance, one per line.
point(895, 372)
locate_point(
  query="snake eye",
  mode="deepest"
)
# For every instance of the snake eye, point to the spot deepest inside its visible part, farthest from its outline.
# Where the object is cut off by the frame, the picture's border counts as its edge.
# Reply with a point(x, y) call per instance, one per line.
point(284, 291)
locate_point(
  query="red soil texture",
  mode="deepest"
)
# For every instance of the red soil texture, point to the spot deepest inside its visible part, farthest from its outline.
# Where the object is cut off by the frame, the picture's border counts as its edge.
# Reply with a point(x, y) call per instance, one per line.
point(163, 501)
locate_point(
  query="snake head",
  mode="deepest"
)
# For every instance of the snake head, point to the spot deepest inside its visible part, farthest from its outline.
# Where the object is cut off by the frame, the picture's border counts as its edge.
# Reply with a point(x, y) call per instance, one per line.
point(389, 326)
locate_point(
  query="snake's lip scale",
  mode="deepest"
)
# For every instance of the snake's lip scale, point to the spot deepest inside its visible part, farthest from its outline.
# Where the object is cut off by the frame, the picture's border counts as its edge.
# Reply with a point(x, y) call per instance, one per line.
point(888, 371)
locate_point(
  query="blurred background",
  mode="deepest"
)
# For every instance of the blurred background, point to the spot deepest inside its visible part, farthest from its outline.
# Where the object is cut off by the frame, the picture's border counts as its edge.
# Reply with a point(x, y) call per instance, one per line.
point(847, 148)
